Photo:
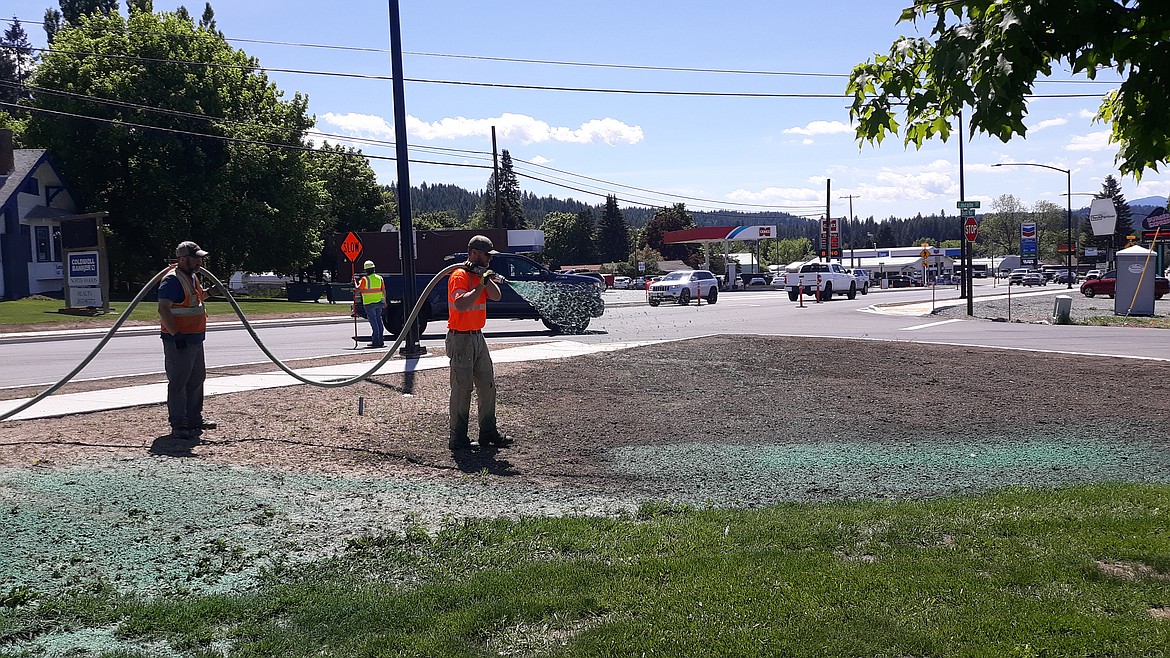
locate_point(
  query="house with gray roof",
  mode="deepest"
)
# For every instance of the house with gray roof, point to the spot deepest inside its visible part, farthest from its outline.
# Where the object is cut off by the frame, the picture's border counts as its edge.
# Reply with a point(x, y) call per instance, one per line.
point(34, 200)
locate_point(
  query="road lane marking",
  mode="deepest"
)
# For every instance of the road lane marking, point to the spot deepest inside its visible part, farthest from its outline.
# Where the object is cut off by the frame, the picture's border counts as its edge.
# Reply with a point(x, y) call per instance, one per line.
point(929, 324)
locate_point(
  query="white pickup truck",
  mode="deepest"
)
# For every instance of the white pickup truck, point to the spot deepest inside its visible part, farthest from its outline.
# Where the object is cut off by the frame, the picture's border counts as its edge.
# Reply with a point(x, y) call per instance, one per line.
point(817, 278)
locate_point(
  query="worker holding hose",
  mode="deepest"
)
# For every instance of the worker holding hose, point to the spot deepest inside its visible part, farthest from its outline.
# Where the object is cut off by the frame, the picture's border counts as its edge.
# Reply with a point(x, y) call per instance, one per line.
point(184, 325)
point(468, 291)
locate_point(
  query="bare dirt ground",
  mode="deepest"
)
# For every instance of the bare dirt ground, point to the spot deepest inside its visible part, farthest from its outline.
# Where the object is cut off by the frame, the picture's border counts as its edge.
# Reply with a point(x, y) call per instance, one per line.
point(725, 421)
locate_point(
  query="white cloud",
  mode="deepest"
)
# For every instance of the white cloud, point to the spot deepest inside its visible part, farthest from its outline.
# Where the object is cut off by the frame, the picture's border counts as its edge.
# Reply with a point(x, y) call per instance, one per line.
point(1086, 114)
point(540, 159)
point(360, 125)
point(1049, 123)
point(820, 128)
point(807, 141)
point(509, 127)
point(1094, 141)
point(780, 196)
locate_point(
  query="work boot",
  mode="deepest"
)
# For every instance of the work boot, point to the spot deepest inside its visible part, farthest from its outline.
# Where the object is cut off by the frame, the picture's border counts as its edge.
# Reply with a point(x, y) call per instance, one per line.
point(495, 440)
point(459, 443)
point(182, 433)
point(204, 425)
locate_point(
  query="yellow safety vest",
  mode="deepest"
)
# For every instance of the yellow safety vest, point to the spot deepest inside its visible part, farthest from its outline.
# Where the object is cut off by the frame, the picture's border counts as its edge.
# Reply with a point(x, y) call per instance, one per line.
point(372, 289)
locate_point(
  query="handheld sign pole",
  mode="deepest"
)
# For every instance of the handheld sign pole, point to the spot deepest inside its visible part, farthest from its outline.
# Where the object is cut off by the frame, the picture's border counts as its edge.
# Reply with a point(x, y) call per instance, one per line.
point(351, 248)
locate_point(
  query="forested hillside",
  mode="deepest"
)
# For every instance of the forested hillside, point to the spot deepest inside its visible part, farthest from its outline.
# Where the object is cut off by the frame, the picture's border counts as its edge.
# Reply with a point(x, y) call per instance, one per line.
point(936, 227)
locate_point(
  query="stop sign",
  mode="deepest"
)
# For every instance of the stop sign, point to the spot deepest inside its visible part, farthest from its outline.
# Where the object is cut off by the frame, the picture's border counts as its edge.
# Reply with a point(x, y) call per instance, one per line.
point(970, 229)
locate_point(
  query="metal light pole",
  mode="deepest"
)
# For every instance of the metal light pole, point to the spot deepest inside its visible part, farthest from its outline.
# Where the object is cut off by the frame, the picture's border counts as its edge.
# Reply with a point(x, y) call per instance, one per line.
point(1068, 217)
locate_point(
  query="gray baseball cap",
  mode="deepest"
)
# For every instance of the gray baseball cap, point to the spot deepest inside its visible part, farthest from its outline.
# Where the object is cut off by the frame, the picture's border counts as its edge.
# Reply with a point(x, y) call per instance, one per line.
point(189, 248)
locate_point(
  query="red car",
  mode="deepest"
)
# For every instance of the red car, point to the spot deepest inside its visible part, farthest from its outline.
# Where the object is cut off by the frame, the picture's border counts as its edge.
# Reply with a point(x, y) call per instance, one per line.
point(1107, 284)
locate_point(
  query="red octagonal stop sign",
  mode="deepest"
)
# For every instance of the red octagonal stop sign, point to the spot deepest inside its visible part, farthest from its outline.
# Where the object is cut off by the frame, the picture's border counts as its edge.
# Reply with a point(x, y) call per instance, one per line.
point(970, 229)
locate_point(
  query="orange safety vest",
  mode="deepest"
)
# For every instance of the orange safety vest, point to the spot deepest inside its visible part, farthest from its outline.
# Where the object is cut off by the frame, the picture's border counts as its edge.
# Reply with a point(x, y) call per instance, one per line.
point(190, 314)
point(473, 318)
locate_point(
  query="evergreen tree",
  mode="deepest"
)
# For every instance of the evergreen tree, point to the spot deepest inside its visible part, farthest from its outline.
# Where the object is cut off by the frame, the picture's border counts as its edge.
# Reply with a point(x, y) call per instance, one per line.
point(613, 236)
point(16, 63)
point(587, 251)
point(52, 22)
point(511, 207)
point(674, 218)
point(207, 22)
point(885, 236)
point(133, 6)
point(73, 10)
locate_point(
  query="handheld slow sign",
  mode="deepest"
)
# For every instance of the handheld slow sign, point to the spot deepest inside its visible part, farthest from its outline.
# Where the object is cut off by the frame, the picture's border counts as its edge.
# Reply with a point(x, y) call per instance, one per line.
point(351, 246)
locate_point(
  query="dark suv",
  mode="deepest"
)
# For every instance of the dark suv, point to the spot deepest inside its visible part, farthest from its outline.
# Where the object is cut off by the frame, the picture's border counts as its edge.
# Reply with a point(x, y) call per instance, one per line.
point(565, 303)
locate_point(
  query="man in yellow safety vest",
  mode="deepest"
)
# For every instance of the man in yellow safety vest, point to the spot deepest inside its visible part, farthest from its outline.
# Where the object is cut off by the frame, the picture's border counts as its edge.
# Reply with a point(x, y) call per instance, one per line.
point(373, 291)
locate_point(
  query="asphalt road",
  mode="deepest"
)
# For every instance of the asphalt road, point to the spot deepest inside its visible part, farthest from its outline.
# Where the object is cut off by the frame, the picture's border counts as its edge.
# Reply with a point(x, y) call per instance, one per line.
point(760, 311)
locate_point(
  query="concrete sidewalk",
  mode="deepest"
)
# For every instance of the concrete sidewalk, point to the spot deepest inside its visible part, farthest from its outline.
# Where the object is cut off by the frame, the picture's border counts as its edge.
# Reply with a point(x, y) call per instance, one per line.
point(924, 308)
point(133, 396)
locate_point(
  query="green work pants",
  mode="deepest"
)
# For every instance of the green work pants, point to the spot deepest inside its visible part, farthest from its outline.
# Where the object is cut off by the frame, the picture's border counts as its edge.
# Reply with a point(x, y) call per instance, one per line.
point(471, 367)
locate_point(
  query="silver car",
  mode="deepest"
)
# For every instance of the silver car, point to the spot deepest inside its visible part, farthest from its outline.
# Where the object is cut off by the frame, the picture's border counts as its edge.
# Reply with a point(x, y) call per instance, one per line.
point(684, 285)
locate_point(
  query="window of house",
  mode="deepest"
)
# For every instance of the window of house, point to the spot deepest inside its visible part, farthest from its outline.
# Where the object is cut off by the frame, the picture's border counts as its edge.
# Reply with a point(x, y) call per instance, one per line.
point(44, 244)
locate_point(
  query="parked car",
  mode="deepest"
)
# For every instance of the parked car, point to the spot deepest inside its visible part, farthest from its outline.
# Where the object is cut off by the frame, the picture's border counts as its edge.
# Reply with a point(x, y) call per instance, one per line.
point(601, 282)
point(683, 285)
point(1033, 279)
point(863, 280)
point(1017, 276)
point(1107, 285)
point(622, 282)
point(1092, 274)
point(1065, 276)
point(946, 280)
point(900, 281)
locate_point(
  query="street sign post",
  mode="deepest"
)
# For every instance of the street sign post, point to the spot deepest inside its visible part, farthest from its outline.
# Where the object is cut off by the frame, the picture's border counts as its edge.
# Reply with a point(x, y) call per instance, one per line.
point(970, 229)
point(966, 204)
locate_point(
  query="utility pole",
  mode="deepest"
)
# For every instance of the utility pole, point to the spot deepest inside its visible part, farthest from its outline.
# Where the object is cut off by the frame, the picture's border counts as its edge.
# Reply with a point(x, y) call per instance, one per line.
point(412, 347)
point(852, 241)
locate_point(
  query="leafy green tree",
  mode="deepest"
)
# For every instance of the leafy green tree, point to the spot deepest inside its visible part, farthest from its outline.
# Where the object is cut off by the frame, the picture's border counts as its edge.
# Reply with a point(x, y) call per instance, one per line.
point(789, 250)
point(568, 239)
point(674, 218)
point(16, 63)
point(1051, 228)
point(354, 201)
point(999, 232)
point(613, 235)
point(988, 55)
point(648, 257)
point(133, 6)
point(256, 207)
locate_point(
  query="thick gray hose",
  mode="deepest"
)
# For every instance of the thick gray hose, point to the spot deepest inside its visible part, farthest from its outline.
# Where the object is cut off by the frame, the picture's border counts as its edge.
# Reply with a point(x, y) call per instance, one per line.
point(336, 383)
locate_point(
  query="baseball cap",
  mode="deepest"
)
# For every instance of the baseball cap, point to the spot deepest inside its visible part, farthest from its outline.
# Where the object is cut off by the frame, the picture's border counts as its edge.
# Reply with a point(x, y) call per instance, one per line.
point(189, 248)
point(482, 243)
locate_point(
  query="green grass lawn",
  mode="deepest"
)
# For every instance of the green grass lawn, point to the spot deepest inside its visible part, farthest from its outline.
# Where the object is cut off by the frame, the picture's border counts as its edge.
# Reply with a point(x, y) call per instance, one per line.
point(1074, 572)
point(45, 311)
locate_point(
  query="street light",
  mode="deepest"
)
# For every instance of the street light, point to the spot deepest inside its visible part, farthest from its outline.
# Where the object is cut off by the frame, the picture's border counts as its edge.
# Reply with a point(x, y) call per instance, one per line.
point(1068, 218)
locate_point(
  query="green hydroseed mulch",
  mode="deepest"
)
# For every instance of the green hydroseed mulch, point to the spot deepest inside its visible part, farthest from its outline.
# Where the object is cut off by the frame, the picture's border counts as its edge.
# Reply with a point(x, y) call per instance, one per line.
point(1080, 571)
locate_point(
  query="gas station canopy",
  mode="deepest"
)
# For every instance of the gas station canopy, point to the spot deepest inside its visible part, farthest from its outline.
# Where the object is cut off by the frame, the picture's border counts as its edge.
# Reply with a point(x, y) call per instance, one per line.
point(706, 234)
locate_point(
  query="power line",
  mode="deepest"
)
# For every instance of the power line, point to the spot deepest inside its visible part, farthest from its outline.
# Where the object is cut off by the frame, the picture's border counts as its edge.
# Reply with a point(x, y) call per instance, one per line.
point(309, 149)
point(225, 138)
point(495, 85)
point(522, 60)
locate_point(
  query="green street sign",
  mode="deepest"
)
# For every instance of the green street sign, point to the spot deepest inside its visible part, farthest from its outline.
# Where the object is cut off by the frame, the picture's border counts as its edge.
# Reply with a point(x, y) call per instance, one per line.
point(966, 212)
point(966, 204)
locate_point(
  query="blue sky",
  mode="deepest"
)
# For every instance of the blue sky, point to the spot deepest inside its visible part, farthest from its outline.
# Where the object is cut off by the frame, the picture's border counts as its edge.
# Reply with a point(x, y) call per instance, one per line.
point(719, 151)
